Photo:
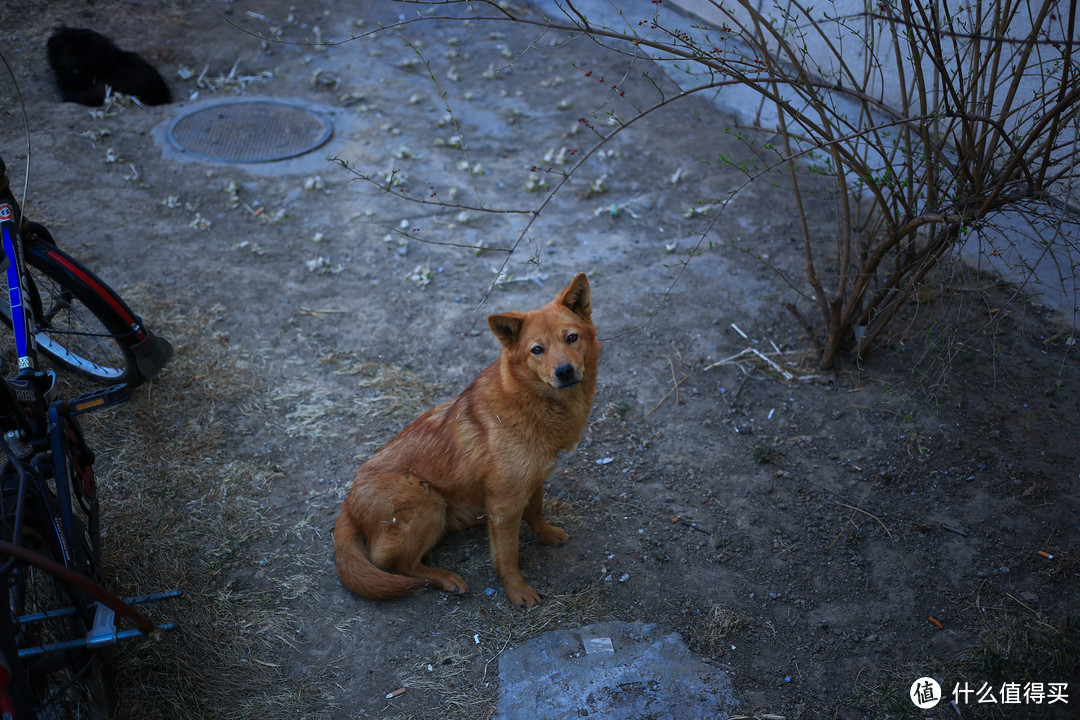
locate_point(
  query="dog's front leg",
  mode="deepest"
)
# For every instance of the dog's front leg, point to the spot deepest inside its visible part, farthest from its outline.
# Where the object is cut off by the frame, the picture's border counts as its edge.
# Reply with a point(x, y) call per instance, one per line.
point(504, 529)
point(534, 516)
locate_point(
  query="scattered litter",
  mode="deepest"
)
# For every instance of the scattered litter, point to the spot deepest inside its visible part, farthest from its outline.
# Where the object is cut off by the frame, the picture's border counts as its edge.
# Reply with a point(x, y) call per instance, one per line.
point(597, 186)
point(323, 266)
point(475, 168)
point(397, 693)
point(936, 623)
point(605, 461)
point(616, 210)
point(476, 638)
point(232, 189)
point(490, 591)
point(736, 329)
point(315, 182)
point(255, 248)
point(702, 209)
point(1046, 555)
point(322, 80)
point(200, 223)
point(421, 275)
point(624, 577)
point(594, 646)
point(319, 313)
point(537, 278)
point(535, 183)
point(556, 157)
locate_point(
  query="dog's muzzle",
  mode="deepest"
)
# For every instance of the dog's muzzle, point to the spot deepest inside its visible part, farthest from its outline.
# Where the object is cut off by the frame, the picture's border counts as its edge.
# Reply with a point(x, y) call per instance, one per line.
point(566, 376)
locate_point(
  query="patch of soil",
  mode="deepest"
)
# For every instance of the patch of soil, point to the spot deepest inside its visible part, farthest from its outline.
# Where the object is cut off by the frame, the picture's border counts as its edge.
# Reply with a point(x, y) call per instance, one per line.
point(826, 539)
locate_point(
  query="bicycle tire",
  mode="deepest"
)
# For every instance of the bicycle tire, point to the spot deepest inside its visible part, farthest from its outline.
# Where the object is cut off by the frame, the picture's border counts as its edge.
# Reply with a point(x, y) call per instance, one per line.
point(80, 322)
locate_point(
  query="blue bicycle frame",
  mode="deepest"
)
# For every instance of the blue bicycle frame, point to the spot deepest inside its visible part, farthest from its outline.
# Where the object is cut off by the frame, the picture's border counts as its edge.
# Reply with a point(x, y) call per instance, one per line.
point(9, 223)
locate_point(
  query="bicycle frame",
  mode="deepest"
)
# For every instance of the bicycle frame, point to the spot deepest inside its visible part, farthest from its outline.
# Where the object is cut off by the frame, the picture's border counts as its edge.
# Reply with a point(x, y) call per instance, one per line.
point(12, 249)
point(32, 389)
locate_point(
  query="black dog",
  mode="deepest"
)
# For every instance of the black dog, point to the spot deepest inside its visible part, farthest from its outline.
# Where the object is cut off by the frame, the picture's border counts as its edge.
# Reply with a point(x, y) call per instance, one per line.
point(85, 62)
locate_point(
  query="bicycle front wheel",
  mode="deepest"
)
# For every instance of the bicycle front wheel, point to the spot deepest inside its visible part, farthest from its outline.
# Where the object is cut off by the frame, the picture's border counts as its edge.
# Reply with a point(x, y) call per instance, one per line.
point(78, 320)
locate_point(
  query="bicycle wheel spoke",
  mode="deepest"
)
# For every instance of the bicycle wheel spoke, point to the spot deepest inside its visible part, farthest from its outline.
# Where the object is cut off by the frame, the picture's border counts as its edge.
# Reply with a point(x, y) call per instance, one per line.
point(71, 332)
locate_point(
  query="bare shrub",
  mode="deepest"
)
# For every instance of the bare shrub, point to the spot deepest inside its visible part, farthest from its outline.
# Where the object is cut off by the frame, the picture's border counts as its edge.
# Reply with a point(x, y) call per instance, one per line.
point(932, 124)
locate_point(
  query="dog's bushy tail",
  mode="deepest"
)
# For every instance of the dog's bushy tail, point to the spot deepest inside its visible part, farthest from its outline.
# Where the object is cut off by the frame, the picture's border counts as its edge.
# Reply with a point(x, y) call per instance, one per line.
point(356, 570)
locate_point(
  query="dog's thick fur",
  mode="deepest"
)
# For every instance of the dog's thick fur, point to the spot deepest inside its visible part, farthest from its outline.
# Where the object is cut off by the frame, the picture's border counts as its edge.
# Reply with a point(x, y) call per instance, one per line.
point(85, 62)
point(482, 457)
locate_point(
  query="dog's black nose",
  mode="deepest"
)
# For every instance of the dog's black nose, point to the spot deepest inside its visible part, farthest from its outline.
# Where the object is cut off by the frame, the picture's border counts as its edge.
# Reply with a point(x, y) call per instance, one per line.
point(566, 375)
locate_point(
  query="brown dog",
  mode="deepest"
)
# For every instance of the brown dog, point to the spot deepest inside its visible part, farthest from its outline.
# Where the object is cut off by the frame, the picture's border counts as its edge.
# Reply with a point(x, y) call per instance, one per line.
point(482, 456)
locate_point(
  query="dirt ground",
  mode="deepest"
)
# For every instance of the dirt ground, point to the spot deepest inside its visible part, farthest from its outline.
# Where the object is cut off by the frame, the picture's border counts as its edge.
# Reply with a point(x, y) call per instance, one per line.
point(825, 539)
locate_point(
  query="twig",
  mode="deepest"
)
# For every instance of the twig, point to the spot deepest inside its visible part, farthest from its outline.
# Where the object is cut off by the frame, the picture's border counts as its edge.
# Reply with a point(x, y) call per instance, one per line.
point(738, 390)
point(673, 378)
point(319, 312)
point(754, 351)
point(851, 507)
point(855, 510)
point(784, 373)
point(657, 406)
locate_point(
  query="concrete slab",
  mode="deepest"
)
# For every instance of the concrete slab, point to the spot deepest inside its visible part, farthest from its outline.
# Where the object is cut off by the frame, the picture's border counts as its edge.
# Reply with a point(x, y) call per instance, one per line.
point(614, 670)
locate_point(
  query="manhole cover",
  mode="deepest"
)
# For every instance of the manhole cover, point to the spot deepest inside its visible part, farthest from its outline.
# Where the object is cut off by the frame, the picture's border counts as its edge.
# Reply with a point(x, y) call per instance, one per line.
point(250, 131)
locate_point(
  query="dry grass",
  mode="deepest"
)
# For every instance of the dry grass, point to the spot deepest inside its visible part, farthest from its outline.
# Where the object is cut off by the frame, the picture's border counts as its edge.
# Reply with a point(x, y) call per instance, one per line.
point(311, 409)
point(716, 626)
point(181, 504)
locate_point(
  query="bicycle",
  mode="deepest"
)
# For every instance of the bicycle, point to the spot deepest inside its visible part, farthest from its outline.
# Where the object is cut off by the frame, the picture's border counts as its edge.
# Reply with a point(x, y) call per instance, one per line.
point(80, 321)
point(57, 618)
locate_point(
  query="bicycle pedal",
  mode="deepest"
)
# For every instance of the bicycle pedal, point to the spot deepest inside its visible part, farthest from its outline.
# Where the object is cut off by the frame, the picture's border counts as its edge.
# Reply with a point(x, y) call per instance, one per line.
point(103, 634)
point(96, 399)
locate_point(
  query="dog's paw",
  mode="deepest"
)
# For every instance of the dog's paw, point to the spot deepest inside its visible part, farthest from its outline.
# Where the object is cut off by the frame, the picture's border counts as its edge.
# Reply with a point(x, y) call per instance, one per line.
point(447, 581)
point(552, 535)
point(523, 596)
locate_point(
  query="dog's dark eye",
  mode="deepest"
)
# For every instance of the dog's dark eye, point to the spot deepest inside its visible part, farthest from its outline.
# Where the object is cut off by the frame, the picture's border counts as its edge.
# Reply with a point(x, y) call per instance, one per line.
point(537, 350)
point(571, 338)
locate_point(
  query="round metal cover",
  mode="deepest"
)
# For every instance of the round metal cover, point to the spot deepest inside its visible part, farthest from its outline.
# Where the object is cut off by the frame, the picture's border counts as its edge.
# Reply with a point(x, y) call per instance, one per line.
point(250, 131)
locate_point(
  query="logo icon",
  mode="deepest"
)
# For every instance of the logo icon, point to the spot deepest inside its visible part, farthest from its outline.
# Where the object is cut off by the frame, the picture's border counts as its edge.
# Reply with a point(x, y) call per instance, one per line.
point(925, 693)
point(6, 213)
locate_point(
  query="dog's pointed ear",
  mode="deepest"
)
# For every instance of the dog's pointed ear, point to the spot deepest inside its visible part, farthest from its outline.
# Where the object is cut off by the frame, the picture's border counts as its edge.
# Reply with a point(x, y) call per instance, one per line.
point(575, 297)
point(506, 326)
